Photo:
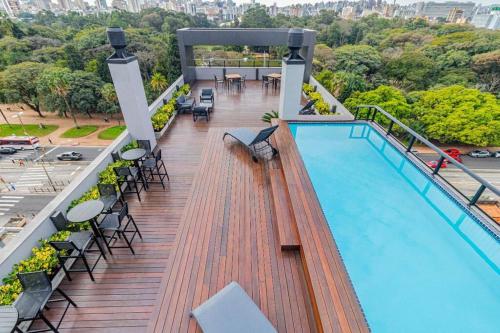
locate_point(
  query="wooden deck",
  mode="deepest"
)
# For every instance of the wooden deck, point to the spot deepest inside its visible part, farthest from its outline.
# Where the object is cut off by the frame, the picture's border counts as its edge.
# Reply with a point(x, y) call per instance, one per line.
point(124, 295)
point(217, 222)
point(228, 234)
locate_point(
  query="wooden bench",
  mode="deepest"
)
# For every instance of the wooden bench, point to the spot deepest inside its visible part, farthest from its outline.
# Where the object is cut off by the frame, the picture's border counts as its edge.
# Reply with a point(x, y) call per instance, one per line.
point(285, 220)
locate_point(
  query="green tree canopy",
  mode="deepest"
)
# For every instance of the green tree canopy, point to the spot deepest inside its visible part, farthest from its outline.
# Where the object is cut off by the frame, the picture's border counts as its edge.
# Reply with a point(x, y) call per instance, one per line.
point(18, 83)
point(359, 59)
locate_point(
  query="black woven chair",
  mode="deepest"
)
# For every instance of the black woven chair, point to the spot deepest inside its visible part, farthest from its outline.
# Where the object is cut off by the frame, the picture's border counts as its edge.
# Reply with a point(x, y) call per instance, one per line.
point(115, 156)
point(265, 81)
point(218, 81)
point(37, 293)
point(130, 176)
point(207, 95)
point(184, 104)
point(109, 196)
point(61, 223)
point(154, 169)
point(75, 247)
point(146, 145)
point(307, 109)
point(114, 223)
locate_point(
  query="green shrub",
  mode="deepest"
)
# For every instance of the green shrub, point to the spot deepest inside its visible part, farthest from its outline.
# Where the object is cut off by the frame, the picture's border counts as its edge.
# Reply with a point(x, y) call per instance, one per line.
point(131, 145)
point(43, 258)
point(307, 88)
point(315, 96)
point(322, 107)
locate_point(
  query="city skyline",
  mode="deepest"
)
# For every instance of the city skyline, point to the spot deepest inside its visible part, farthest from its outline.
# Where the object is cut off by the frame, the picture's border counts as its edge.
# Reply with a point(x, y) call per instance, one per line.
point(282, 3)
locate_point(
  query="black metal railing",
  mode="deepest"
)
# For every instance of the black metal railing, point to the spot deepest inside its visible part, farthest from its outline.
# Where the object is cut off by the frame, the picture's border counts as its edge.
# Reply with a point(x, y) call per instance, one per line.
point(215, 62)
point(370, 114)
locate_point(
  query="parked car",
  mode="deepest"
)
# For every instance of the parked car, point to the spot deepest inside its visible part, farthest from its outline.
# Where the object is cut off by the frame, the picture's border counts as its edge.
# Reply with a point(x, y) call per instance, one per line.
point(7, 150)
point(434, 164)
point(496, 154)
point(69, 156)
point(455, 153)
point(479, 153)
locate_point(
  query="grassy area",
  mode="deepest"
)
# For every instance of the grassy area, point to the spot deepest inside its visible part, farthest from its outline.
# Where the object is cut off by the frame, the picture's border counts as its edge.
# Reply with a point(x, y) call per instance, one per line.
point(32, 129)
point(111, 133)
point(79, 132)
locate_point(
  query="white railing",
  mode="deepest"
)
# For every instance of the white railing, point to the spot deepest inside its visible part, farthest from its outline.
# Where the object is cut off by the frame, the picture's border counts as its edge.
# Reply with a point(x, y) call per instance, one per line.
point(41, 227)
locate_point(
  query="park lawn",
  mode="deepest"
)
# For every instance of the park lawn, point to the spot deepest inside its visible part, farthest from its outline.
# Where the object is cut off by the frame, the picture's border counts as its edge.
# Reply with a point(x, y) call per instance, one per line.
point(79, 132)
point(32, 129)
point(111, 133)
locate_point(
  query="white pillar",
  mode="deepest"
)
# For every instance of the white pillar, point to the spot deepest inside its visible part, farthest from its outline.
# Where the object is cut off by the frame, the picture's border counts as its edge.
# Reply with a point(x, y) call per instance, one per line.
point(292, 75)
point(132, 98)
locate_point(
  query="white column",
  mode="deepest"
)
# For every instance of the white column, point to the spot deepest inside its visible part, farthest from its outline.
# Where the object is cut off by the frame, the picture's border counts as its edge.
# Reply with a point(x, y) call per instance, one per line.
point(132, 98)
point(292, 75)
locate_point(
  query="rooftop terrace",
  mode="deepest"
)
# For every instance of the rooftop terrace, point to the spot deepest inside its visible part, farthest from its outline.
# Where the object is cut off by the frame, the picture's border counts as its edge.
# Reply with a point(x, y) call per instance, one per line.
point(196, 239)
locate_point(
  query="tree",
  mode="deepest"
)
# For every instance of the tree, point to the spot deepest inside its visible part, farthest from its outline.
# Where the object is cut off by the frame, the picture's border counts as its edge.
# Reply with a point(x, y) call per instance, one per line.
point(388, 98)
point(73, 57)
point(109, 102)
point(84, 92)
point(341, 84)
point(458, 114)
point(256, 17)
point(18, 84)
point(487, 68)
point(359, 59)
point(159, 83)
point(411, 71)
point(54, 83)
point(169, 62)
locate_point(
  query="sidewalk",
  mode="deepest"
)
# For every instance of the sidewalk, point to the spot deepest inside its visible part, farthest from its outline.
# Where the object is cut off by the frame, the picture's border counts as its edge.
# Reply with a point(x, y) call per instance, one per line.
point(50, 118)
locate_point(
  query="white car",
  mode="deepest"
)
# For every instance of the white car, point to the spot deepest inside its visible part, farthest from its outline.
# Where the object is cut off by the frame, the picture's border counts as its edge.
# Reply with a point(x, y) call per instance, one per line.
point(479, 153)
point(496, 154)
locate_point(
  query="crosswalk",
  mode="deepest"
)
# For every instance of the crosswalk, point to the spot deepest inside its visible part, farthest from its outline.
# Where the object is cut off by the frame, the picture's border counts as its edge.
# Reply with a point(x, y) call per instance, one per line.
point(6, 160)
point(34, 176)
point(8, 202)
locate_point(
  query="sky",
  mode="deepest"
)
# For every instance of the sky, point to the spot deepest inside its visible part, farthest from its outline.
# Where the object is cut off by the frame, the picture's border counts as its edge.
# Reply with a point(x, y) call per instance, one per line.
point(282, 3)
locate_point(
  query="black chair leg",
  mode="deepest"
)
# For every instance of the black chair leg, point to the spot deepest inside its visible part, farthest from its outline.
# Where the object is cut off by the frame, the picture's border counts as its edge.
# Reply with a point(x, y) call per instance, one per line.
point(128, 243)
point(67, 297)
point(88, 267)
point(48, 323)
point(135, 225)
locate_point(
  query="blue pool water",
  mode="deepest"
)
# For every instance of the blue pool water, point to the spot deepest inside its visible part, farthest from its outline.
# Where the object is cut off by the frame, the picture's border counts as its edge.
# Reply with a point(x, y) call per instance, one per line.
point(417, 260)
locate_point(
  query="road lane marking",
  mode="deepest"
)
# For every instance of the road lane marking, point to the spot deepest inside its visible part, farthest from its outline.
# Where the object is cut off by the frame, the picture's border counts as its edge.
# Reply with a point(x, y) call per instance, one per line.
point(3, 200)
point(5, 209)
point(48, 152)
point(11, 197)
point(6, 205)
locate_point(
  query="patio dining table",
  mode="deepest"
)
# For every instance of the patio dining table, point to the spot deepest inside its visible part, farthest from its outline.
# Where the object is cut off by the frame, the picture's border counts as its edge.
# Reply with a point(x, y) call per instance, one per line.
point(232, 78)
point(88, 211)
point(275, 77)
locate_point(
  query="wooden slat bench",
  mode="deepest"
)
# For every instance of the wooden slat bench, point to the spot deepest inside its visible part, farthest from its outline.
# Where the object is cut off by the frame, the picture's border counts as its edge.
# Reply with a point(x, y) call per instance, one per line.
point(285, 220)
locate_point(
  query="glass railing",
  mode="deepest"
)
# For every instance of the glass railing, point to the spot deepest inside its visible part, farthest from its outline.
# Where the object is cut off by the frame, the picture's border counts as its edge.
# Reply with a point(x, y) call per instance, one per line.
point(243, 62)
point(476, 190)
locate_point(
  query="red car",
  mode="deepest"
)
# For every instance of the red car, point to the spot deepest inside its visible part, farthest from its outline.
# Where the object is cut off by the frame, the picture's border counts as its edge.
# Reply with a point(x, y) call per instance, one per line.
point(455, 153)
point(434, 164)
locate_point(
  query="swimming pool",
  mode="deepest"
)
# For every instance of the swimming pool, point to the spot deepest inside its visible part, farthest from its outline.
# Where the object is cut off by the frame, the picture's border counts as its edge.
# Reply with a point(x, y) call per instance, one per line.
point(417, 260)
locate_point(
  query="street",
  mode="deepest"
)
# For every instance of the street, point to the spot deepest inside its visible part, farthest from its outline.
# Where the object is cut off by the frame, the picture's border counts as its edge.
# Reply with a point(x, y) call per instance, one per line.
point(28, 178)
point(487, 168)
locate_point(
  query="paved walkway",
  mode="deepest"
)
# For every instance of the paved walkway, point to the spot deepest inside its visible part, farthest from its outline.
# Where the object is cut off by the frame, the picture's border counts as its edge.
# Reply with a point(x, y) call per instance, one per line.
point(31, 117)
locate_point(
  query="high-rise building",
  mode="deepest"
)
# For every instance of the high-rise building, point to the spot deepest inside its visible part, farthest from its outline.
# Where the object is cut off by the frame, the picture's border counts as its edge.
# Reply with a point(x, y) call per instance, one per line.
point(433, 10)
point(454, 15)
point(119, 4)
point(11, 7)
point(486, 20)
point(65, 5)
point(42, 4)
point(133, 6)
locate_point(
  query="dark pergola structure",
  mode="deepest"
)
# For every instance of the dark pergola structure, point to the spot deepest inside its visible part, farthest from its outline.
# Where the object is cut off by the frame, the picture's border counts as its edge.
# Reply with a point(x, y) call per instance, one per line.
point(189, 37)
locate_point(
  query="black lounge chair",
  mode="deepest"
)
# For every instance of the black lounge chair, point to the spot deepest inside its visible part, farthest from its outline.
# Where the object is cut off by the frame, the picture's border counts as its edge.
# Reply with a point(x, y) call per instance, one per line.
point(207, 95)
point(250, 139)
point(184, 104)
point(307, 109)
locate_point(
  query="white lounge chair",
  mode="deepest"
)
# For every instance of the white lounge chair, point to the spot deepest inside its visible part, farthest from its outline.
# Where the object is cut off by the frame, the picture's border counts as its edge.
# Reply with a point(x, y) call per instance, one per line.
point(231, 310)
